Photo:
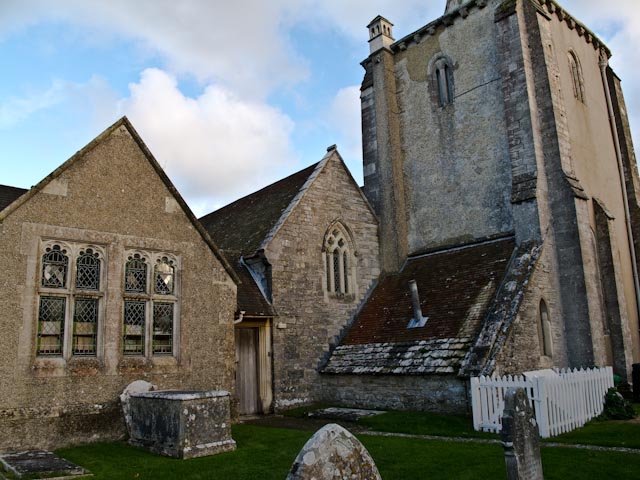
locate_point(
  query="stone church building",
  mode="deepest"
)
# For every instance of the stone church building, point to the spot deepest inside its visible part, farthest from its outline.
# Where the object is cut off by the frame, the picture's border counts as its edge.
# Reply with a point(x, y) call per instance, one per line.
point(499, 166)
point(496, 232)
point(107, 278)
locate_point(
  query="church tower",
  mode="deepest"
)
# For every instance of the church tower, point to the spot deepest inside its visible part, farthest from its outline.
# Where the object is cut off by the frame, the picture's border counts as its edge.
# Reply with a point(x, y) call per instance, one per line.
point(493, 121)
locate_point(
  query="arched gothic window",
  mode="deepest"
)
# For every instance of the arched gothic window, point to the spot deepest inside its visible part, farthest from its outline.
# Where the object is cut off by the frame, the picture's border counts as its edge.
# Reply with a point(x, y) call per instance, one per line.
point(69, 305)
point(544, 329)
point(54, 267)
point(441, 71)
point(576, 76)
point(150, 304)
point(338, 266)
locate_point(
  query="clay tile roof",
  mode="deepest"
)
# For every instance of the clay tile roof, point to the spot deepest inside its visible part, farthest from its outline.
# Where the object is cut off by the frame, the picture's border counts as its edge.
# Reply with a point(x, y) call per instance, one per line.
point(251, 301)
point(9, 194)
point(456, 287)
point(244, 224)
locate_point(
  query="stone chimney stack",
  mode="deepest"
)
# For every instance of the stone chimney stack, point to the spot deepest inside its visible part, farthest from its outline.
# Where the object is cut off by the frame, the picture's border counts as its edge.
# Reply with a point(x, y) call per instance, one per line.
point(380, 34)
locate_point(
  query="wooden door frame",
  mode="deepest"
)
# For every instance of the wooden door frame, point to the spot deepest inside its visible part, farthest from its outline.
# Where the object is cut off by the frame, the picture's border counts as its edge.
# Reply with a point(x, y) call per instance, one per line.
point(263, 354)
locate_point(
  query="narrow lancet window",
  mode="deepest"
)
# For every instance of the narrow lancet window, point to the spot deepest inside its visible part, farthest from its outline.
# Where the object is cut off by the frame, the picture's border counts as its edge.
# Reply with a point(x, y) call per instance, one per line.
point(443, 80)
point(576, 77)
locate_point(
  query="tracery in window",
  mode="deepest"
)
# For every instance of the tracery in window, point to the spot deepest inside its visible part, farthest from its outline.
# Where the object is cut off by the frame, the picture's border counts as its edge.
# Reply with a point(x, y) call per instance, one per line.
point(338, 251)
point(441, 72)
point(54, 267)
point(576, 76)
point(135, 276)
point(70, 296)
point(164, 276)
point(88, 270)
point(149, 313)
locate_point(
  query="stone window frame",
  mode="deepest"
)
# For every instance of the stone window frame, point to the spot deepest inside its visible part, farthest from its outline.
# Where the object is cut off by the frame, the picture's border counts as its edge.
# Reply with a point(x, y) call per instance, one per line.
point(70, 334)
point(151, 298)
point(338, 246)
point(577, 78)
point(441, 80)
point(544, 329)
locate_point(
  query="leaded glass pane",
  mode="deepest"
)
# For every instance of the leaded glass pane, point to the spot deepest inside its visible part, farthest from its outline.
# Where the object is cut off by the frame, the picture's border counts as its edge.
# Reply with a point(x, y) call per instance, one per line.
point(85, 326)
point(134, 321)
point(162, 328)
point(54, 267)
point(51, 325)
point(88, 270)
point(135, 275)
point(345, 270)
point(164, 276)
point(336, 271)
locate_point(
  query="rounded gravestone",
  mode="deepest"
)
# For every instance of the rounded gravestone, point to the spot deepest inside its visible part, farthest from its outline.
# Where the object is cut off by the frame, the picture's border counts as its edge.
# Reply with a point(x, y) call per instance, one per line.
point(333, 453)
point(138, 386)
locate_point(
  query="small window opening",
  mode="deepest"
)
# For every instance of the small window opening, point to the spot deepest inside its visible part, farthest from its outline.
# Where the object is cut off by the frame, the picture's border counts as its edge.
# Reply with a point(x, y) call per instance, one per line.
point(443, 80)
point(576, 77)
point(545, 330)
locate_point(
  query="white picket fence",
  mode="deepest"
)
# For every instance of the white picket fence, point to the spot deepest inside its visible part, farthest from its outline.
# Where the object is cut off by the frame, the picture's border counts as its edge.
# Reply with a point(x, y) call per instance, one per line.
point(562, 400)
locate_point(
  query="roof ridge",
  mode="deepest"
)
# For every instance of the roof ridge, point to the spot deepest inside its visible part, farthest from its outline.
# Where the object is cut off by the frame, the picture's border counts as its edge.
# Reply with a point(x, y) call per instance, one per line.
point(256, 192)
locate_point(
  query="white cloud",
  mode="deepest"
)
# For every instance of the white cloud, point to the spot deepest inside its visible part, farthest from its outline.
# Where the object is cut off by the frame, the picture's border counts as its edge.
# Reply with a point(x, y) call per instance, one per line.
point(240, 44)
point(215, 147)
point(343, 118)
point(16, 109)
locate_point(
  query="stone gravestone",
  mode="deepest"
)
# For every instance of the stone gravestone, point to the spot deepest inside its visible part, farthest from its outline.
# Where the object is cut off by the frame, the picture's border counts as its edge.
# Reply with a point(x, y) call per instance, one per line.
point(520, 438)
point(333, 453)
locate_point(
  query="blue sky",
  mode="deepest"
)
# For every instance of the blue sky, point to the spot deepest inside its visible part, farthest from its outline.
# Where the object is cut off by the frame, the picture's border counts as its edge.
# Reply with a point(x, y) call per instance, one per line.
point(229, 96)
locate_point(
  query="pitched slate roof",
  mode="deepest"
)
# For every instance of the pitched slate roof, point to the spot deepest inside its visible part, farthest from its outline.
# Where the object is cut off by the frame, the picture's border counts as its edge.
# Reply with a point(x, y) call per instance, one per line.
point(456, 288)
point(9, 194)
point(251, 301)
point(242, 225)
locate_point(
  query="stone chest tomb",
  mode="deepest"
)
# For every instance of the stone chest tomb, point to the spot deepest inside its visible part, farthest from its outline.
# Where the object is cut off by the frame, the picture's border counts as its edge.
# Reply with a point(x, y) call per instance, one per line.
point(182, 424)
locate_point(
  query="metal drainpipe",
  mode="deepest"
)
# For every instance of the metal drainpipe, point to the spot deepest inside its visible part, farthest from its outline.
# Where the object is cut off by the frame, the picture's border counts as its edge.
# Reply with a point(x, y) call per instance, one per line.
point(625, 199)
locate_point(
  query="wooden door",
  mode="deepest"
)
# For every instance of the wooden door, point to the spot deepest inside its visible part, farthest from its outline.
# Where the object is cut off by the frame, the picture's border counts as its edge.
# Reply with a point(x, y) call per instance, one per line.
point(247, 370)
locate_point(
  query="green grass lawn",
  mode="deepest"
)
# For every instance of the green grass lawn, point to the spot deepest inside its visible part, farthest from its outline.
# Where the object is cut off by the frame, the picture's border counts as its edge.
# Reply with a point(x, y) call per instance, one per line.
point(267, 453)
point(424, 423)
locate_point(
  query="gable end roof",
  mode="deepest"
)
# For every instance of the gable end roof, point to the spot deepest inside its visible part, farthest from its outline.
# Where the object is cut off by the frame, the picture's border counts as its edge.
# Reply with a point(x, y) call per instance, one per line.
point(124, 122)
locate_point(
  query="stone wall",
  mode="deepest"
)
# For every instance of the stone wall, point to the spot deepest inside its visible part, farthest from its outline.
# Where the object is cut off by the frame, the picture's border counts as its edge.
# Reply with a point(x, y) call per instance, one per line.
point(110, 197)
point(523, 349)
point(456, 158)
point(433, 393)
point(309, 318)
